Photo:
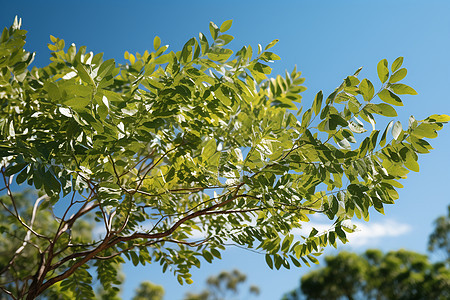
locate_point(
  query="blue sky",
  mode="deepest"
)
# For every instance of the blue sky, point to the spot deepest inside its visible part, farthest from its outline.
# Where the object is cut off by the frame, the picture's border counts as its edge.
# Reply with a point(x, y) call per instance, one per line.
point(327, 40)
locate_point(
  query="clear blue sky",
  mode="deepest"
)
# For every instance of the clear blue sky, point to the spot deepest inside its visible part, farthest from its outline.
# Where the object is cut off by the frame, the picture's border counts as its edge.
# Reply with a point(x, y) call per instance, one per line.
point(327, 40)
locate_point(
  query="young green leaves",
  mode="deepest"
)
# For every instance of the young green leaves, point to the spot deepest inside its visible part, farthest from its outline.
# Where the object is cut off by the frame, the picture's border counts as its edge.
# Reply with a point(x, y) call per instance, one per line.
point(391, 89)
point(383, 71)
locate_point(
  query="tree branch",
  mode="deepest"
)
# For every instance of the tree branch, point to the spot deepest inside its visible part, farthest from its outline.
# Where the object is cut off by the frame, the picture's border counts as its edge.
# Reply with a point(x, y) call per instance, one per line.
point(27, 236)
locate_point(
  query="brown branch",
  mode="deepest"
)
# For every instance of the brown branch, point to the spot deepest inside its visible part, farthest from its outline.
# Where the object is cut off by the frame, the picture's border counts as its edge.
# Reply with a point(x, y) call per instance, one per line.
point(236, 211)
point(8, 292)
point(69, 257)
point(184, 219)
point(42, 287)
point(140, 161)
point(27, 236)
point(188, 211)
point(48, 255)
point(180, 190)
point(192, 244)
point(110, 242)
point(16, 213)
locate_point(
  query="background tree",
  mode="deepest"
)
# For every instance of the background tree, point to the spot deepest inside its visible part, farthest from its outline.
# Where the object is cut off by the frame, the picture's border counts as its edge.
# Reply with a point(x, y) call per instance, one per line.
point(342, 277)
point(17, 258)
point(398, 274)
point(226, 285)
point(439, 240)
point(148, 290)
point(173, 146)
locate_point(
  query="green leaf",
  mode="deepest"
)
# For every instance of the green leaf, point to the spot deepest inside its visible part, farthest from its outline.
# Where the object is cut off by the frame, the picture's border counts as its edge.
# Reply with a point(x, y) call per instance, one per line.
point(383, 137)
point(209, 149)
point(156, 43)
point(382, 70)
point(106, 68)
point(269, 56)
point(397, 64)
point(382, 109)
point(51, 184)
point(397, 130)
point(219, 54)
point(226, 25)
point(278, 261)
point(402, 89)
point(389, 97)
point(53, 91)
point(134, 258)
point(427, 130)
point(77, 103)
point(84, 75)
point(271, 44)
point(216, 253)
point(269, 261)
point(295, 261)
point(313, 232)
point(13, 169)
point(411, 162)
point(225, 99)
point(438, 118)
point(224, 39)
point(313, 259)
point(399, 75)
point(356, 127)
point(336, 120)
point(261, 68)
point(22, 176)
point(366, 89)
point(306, 118)
point(420, 145)
point(213, 29)
point(317, 104)
point(186, 53)
point(204, 43)
point(332, 238)
point(207, 256)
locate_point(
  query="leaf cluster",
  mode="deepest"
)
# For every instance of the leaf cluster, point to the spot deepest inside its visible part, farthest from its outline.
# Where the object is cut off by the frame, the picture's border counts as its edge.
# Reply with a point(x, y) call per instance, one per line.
point(177, 154)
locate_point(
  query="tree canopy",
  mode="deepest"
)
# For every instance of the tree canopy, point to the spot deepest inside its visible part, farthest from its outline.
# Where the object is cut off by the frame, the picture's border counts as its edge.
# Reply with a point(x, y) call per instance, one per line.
point(439, 240)
point(398, 274)
point(175, 154)
point(148, 290)
point(225, 285)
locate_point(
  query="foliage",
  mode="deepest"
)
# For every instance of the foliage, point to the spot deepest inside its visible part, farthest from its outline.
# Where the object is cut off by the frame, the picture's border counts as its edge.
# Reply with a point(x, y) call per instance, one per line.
point(440, 237)
point(148, 290)
point(396, 275)
point(175, 154)
point(226, 285)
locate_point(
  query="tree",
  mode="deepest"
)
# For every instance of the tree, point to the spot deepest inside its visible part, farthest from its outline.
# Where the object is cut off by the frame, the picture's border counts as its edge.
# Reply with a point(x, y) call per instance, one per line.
point(398, 274)
point(17, 259)
point(226, 285)
point(175, 154)
point(440, 237)
point(148, 290)
point(342, 277)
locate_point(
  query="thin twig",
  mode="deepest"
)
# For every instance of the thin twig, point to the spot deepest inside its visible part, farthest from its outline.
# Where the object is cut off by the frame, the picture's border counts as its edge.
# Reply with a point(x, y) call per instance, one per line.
point(27, 236)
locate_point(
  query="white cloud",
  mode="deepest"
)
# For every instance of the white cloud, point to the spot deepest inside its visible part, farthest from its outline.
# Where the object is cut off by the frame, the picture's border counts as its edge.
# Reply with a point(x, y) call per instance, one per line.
point(367, 234)
point(372, 233)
